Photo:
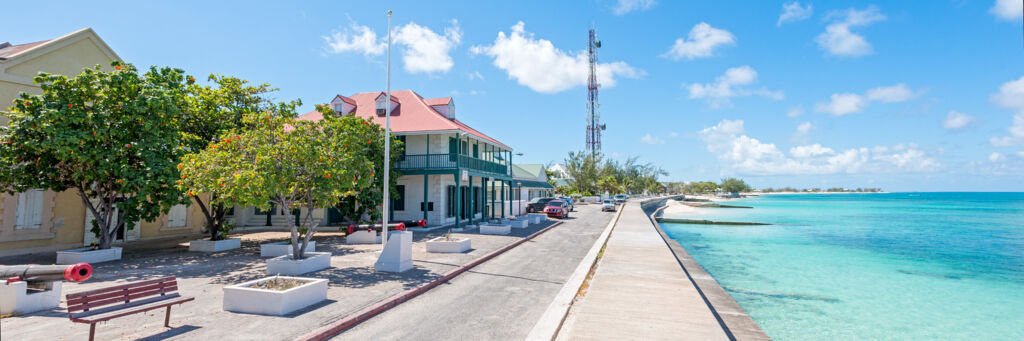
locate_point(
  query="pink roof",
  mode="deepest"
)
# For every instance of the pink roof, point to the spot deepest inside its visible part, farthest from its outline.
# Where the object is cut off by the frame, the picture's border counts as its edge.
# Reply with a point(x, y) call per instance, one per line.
point(438, 101)
point(345, 99)
point(413, 114)
point(12, 50)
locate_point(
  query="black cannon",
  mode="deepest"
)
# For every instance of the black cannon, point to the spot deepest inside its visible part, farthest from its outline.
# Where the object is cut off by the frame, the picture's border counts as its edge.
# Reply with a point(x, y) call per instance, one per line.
point(45, 273)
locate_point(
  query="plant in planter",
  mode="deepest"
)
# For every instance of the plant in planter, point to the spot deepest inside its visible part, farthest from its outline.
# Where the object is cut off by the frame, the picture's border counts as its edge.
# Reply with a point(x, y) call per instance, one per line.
point(208, 114)
point(104, 135)
point(276, 295)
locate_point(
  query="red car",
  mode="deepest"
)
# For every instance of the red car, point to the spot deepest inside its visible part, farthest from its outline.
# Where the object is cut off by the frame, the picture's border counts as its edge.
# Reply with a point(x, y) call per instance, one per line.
point(558, 209)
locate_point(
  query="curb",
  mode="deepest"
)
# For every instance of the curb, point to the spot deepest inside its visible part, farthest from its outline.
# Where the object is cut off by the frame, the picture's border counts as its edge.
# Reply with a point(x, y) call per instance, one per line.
point(364, 314)
point(550, 322)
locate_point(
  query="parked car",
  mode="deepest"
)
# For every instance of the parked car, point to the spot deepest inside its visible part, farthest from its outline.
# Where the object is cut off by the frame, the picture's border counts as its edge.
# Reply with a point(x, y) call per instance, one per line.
point(557, 208)
point(537, 204)
point(608, 205)
point(569, 202)
point(621, 198)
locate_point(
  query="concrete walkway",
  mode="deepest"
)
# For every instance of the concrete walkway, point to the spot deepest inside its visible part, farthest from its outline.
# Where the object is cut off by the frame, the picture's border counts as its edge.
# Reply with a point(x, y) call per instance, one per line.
point(640, 292)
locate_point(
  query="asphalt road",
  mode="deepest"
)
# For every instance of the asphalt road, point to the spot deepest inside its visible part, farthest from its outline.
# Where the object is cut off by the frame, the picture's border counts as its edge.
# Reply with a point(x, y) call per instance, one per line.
point(497, 300)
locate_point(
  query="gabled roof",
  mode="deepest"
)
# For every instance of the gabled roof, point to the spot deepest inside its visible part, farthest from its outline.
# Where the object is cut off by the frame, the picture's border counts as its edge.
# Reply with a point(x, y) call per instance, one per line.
point(438, 101)
point(345, 99)
point(413, 114)
point(529, 170)
point(8, 51)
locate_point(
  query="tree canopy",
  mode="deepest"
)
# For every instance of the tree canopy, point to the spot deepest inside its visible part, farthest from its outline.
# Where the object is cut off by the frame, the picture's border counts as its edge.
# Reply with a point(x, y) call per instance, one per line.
point(592, 174)
point(111, 136)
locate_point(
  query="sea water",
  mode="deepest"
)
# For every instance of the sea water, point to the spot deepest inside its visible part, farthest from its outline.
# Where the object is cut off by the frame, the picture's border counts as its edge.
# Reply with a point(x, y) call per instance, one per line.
point(888, 266)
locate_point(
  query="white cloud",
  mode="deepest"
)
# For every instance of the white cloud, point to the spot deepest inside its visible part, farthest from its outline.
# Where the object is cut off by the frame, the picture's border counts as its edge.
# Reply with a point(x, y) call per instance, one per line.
point(539, 65)
point(426, 51)
point(729, 85)
point(1007, 9)
point(840, 41)
point(843, 104)
point(956, 120)
point(804, 128)
point(795, 111)
point(1011, 96)
point(746, 155)
point(626, 6)
point(475, 75)
point(356, 38)
point(648, 139)
point(848, 103)
point(996, 157)
point(890, 94)
point(673, 134)
point(703, 39)
point(793, 12)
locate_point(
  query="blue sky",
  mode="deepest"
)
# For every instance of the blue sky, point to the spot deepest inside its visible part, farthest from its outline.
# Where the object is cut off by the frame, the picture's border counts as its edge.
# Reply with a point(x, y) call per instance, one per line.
point(900, 95)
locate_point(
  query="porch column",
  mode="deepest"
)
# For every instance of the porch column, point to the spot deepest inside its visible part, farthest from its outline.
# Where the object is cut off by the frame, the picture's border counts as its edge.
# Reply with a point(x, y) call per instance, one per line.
point(471, 207)
point(425, 203)
point(502, 199)
point(458, 199)
point(493, 194)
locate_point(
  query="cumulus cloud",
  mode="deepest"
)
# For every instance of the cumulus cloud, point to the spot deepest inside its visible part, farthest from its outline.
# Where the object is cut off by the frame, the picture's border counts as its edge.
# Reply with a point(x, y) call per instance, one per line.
point(846, 103)
point(795, 111)
point(1011, 96)
point(793, 12)
point(746, 155)
point(729, 85)
point(701, 43)
point(426, 51)
point(540, 66)
point(804, 128)
point(1007, 9)
point(625, 6)
point(648, 139)
point(475, 75)
point(356, 38)
point(996, 157)
point(839, 40)
point(956, 120)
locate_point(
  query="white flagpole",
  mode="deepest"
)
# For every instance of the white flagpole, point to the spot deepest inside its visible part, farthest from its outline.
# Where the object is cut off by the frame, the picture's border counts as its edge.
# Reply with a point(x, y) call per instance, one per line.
point(387, 147)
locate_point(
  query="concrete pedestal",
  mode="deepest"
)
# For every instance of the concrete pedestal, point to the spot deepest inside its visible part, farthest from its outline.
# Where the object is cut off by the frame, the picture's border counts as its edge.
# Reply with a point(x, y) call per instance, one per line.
point(519, 223)
point(362, 237)
point(397, 255)
point(16, 298)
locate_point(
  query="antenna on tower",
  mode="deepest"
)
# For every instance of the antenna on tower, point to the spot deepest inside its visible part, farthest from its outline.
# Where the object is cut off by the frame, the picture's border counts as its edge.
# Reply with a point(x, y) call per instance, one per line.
point(594, 126)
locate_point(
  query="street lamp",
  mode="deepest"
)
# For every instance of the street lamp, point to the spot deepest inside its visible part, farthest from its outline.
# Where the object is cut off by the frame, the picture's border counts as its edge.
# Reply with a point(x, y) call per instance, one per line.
point(520, 195)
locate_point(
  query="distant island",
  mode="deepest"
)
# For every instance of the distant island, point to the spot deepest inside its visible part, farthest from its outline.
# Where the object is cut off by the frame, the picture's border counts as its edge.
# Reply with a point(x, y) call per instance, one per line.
point(819, 190)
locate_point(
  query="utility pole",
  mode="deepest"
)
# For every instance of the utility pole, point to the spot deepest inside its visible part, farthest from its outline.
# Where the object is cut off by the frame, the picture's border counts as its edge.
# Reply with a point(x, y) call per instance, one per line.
point(387, 147)
point(594, 126)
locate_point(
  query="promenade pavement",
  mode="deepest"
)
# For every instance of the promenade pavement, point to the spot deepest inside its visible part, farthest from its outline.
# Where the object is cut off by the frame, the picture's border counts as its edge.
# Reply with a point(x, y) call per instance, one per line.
point(497, 300)
point(640, 292)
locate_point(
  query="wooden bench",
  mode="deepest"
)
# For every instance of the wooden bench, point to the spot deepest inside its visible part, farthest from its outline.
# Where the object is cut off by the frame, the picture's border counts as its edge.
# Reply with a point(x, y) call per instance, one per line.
point(138, 297)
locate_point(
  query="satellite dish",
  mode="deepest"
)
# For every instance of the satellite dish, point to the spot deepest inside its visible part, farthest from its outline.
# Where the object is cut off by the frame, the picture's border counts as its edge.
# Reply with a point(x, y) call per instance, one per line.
point(597, 43)
point(603, 126)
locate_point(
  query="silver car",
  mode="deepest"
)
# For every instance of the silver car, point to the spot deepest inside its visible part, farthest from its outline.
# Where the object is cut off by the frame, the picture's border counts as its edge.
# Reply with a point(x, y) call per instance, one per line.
point(608, 206)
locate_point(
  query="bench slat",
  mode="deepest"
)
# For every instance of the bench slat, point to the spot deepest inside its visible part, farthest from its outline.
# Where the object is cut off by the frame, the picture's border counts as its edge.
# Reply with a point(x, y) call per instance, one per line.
point(127, 309)
point(167, 286)
point(118, 299)
point(121, 287)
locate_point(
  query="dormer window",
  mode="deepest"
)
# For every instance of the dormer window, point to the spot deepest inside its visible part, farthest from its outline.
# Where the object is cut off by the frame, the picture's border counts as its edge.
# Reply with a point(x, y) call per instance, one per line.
point(381, 109)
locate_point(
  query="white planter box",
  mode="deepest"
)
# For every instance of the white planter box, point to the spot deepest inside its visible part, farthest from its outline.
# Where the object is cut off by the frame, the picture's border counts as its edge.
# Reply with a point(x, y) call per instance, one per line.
point(241, 298)
point(283, 248)
point(536, 218)
point(16, 299)
point(363, 237)
point(87, 255)
point(440, 245)
point(519, 223)
point(285, 265)
point(495, 229)
point(206, 245)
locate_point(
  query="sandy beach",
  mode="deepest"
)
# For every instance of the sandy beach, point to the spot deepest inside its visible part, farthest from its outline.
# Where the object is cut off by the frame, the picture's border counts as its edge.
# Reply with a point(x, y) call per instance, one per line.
point(679, 210)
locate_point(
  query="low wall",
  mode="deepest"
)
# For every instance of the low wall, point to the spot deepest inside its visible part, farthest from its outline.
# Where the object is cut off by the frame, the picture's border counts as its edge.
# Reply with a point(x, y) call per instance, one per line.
point(734, 320)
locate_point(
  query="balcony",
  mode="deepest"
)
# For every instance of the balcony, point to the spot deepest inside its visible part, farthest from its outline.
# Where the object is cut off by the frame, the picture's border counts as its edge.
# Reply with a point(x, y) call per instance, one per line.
point(440, 162)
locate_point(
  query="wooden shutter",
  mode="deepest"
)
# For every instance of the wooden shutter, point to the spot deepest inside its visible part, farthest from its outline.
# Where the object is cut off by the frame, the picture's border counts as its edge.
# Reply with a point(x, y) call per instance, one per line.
point(30, 210)
point(176, 216)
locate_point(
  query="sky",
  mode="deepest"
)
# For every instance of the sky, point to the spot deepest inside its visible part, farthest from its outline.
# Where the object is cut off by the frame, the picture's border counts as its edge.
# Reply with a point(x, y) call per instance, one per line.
point(905, 96)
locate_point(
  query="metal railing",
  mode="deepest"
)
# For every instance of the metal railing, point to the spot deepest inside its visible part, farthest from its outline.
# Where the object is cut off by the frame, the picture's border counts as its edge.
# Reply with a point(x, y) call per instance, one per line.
point(448, 161)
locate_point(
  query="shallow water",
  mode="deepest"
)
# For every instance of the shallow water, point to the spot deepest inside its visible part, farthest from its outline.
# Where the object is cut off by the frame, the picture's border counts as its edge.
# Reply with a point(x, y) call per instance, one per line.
point(892, 266)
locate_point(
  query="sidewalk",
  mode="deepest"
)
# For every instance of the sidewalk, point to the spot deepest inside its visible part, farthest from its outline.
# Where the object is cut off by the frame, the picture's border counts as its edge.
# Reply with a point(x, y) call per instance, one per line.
point(640, 292)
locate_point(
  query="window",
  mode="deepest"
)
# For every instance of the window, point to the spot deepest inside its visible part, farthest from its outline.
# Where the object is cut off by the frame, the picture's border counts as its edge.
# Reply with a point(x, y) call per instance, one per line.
point(404, 146)
point(399, 200)
point(177, 215)
point(381, 109)
point(476, 150)
point(30, 210)
point(450, 198)
point(453, 148)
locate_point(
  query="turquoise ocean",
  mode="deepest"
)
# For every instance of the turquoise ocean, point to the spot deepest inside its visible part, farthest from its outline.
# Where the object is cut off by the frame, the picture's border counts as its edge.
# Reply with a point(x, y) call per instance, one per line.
point(886, 266)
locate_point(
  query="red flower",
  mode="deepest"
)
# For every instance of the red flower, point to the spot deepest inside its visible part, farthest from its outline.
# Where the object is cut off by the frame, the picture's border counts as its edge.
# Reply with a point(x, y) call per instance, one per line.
point(69, 105)
point(191, 80)
point(117, 67)
point(328, 175)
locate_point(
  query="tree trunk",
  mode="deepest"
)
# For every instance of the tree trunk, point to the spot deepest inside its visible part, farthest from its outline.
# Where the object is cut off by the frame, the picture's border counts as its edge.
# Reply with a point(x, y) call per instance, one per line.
point(311, 223)
point(296, 253)
point(214, 220)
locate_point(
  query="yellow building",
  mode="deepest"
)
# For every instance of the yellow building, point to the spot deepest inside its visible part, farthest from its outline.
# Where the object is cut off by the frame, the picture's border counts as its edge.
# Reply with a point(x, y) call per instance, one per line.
point(40, 221)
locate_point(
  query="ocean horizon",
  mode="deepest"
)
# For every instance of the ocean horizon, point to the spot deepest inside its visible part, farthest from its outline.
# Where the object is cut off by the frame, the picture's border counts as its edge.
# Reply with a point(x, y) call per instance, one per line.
point(896, 266)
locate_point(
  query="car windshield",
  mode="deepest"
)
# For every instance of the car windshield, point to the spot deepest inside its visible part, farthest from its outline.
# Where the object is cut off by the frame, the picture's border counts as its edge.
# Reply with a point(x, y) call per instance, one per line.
point(607, 201)
point(540, 200)
point(555, 203)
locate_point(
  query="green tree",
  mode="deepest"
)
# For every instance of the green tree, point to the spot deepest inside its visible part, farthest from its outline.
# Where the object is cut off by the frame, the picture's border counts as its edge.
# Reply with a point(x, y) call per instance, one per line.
point(291, 163)
point(209, 113)
point(365, 206)
point(112, 137)
point(734, 185)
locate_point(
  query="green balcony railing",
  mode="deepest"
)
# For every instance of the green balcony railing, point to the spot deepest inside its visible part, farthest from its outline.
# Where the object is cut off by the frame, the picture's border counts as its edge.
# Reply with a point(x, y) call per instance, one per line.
point(449, 162)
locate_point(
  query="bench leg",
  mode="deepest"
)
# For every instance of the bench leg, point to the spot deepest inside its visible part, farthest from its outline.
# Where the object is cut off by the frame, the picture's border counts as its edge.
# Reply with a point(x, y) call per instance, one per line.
point(167, 318)
point(92, 331)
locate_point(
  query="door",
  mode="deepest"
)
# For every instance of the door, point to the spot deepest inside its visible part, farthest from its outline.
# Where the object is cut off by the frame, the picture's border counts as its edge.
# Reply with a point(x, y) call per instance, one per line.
point(122, 235)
